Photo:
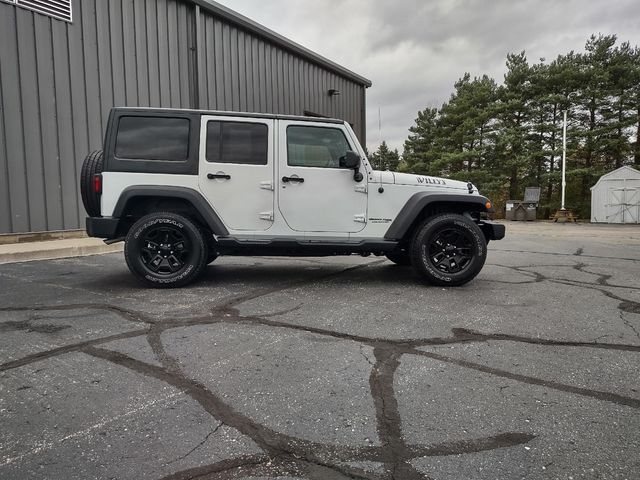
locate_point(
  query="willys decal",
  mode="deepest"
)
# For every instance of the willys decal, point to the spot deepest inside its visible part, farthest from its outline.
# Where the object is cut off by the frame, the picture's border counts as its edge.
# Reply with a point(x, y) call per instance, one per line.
point(430, 180)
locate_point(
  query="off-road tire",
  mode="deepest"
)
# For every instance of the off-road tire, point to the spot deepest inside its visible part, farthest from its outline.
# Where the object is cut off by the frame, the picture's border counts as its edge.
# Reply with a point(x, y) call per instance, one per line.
point(401, 258)
point(179, 252)
point(448, 250)
point(91, 166)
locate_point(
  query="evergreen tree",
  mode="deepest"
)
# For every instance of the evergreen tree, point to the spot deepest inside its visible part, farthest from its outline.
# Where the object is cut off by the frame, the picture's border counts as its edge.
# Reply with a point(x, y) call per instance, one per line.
point(462, 126)
point(593, 100)
point(555, 85)
point(504, 138)
point(634, 101)
point(513, 116)
point(419, 149)
point(620, 113)
point(384, 158)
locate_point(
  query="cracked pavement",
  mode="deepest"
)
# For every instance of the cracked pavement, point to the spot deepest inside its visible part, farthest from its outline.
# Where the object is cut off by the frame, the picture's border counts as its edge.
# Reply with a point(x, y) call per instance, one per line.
point(329, 368)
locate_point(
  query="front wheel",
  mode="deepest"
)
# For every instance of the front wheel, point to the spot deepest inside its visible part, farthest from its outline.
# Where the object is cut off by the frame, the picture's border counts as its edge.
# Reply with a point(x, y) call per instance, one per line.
point(448, 250)
point(165, 250)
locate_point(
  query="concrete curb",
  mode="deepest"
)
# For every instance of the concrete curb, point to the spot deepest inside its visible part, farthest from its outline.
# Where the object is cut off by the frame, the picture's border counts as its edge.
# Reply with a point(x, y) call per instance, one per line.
point(10, 238)
point(52, 249)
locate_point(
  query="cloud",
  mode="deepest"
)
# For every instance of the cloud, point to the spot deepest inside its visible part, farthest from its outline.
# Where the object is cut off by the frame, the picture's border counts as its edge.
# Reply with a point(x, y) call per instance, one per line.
point(414, 50)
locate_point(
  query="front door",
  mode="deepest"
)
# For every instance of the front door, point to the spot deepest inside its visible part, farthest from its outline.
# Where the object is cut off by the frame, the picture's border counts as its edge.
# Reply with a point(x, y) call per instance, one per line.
point(314, 193)
point(236, 170)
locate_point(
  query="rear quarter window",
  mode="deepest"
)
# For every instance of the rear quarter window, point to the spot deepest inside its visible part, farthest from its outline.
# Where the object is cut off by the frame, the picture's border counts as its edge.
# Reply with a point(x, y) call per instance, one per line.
point(152, 138)
point(237, 142)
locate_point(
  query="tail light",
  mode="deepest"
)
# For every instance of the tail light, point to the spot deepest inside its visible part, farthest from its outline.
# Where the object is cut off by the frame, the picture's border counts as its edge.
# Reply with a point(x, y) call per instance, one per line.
point(97, 183)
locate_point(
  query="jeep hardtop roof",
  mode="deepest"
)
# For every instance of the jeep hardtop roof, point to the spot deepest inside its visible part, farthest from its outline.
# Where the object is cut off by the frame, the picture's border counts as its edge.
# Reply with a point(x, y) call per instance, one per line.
point(275, 116)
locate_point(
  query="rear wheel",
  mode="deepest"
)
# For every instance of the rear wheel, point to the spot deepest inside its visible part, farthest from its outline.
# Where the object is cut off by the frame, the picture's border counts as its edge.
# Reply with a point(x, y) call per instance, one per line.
point(165, 250)
point(448, 249)
point(91, 166)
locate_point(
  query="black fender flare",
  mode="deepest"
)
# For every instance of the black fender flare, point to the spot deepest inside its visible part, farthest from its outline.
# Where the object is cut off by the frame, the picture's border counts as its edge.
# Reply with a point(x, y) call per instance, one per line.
point(192, 196)
point(421, 200)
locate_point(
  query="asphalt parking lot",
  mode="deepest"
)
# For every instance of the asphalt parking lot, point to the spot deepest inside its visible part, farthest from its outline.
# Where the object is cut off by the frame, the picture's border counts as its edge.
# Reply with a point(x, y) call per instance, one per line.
point(329, 368)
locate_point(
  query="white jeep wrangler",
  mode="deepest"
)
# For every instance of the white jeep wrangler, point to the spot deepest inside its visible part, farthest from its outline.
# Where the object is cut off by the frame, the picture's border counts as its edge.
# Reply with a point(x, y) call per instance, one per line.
point(183, 187)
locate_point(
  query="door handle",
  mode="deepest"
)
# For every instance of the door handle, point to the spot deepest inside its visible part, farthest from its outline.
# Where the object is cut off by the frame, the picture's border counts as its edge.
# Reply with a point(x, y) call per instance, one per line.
point(211, 176)
point(293, 179)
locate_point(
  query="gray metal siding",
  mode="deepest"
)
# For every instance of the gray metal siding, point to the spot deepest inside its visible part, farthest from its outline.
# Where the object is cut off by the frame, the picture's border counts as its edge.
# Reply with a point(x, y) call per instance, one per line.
point(59, 80)
point(244, 72)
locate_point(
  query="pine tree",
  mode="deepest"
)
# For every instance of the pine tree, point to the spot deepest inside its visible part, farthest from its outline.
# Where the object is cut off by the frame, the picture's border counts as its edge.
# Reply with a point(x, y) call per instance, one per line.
point(592, 100)
point(619, 114)
point(634, 100)
point(507, 137)
point(514, 113)
point(384, 158)
point(419, 149)
point(554, 87)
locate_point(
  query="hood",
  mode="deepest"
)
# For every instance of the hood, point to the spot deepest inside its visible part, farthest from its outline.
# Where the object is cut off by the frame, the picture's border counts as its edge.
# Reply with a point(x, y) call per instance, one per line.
point(428, 181)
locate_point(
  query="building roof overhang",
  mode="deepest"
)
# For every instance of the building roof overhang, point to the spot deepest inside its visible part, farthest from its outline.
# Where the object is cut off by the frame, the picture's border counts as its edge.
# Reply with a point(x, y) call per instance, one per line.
point(254, 27)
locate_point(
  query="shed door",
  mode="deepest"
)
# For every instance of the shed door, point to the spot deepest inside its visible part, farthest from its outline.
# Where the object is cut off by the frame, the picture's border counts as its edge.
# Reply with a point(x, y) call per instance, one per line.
point(632, 211)
point(623, 205)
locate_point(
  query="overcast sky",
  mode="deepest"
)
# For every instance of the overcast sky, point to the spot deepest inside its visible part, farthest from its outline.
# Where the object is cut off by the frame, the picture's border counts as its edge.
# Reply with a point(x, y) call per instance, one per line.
point(414, 50)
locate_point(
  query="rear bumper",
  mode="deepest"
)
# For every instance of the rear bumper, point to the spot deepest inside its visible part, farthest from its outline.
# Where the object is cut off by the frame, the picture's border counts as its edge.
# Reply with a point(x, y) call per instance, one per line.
point(102, 227)
point(492, 231)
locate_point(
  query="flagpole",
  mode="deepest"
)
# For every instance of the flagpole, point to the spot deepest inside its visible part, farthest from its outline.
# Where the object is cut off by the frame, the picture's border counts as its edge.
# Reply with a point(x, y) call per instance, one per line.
point(564, 158)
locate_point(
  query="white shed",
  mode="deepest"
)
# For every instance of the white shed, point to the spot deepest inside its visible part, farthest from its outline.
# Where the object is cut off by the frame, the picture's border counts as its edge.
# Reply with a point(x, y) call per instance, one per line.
point(615, 198)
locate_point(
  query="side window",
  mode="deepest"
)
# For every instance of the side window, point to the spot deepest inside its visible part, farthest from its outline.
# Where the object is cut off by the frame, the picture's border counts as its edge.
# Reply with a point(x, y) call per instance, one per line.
point(315, 146)
point(153, 138)
point(237, 142)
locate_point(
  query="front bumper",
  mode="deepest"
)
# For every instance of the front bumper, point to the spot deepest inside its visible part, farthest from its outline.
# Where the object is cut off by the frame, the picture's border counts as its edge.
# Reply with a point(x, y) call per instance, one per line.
point(102, 227)
point(492, 231)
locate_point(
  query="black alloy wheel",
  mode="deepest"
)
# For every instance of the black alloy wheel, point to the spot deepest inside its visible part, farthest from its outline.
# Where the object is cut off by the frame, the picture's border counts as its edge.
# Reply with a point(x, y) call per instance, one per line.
point(165, 250)
point(448, 249)
point(451, 250)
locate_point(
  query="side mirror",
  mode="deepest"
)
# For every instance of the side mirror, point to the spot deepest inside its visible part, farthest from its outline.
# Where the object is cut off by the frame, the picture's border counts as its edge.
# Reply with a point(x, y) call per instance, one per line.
point(350, 160)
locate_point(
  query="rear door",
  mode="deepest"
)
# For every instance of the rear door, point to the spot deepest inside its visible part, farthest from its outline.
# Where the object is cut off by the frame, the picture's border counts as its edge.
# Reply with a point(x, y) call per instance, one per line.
point(237, 170)
point(315, 194)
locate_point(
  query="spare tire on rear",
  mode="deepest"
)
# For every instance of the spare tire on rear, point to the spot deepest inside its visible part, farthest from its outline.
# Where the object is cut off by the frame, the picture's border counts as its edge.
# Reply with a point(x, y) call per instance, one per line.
point(91, 166)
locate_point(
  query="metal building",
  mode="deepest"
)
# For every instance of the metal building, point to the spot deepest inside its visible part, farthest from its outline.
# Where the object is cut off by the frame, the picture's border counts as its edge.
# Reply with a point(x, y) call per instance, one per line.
point(615, 198)
point(65, 63)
